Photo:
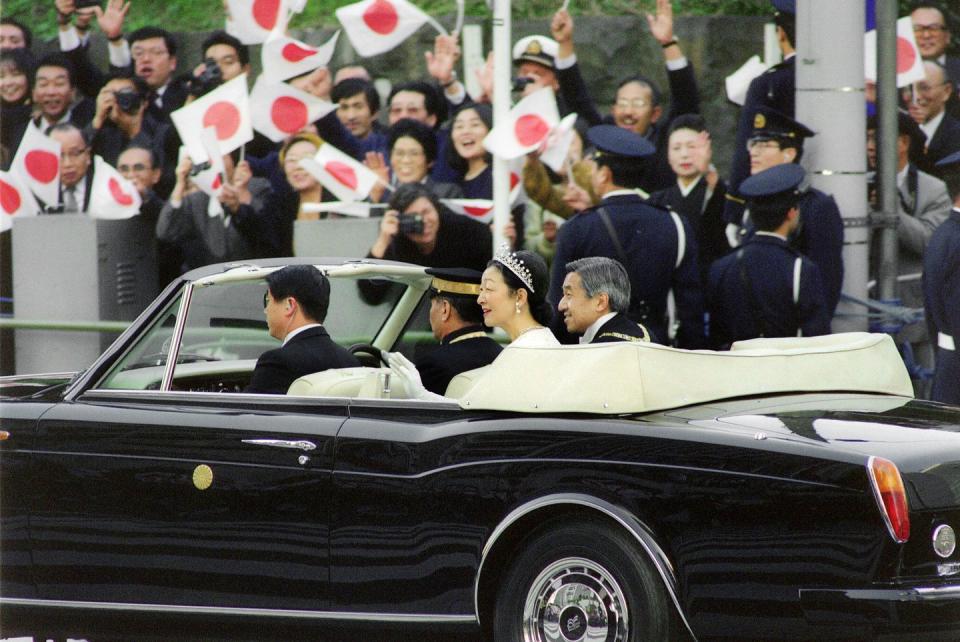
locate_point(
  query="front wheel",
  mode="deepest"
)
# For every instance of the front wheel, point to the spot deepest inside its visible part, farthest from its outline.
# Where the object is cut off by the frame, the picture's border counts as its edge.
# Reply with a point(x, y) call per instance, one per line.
point(581, 581)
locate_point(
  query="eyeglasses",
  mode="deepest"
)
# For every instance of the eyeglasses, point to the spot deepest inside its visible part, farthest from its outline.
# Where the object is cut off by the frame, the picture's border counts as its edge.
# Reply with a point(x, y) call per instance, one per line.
point(136, 167)
point(762, 144)
point(931, 29)
point(407, 153)
point(73, 155)
point(924, 88)
point(137, 53)
point(636, 103)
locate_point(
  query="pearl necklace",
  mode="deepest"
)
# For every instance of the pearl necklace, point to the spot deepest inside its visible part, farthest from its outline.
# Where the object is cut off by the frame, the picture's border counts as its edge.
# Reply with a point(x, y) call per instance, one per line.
point(533, 327)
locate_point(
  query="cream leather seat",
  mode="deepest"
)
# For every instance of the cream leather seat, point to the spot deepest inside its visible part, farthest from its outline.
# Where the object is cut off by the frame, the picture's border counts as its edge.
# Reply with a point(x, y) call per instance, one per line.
point(462, 382)
point(373, 383)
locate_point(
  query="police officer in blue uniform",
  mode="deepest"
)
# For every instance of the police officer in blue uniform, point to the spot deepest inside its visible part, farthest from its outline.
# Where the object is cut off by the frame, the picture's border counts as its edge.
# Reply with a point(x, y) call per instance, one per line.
point(941, 290)
point(656, 246)
point(457, 321)
point(766, 288)
point(777, 139)
point(776, 89)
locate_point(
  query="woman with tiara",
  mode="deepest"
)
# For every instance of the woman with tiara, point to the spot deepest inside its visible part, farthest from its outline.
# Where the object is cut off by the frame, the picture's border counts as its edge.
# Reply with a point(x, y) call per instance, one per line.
point(513, 297)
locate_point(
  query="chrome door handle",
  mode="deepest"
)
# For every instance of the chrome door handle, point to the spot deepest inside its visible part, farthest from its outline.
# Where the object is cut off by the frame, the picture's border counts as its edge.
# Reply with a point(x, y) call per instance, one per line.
point(282, 443)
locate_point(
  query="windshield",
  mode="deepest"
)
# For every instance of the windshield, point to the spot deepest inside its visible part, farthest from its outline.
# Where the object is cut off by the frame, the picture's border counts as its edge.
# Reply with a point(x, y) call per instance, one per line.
point(226, 331)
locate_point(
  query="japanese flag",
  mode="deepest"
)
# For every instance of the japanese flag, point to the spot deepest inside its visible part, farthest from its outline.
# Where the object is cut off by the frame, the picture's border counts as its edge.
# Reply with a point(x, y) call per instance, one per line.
point(377, 26)
point(909, 62)
point(15, 200)
point(252, 21)
point(210, 178)
point(341, 174)
point(527, 128)
point(112, 196)
point(558, 144)
point(284, 57)
point(37, 161)
point(479, 209)
point(226, 108)
point(279, 110)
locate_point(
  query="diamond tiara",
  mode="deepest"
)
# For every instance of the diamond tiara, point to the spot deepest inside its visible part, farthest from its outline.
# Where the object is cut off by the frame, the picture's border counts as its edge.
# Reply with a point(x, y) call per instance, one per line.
point(509, 260)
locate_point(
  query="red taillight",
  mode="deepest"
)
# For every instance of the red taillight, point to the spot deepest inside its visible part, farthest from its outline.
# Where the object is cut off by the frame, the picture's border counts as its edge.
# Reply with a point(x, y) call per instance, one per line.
point(891, 497)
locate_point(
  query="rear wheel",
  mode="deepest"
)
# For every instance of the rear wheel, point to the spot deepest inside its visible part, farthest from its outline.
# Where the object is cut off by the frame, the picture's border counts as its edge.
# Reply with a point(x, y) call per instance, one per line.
point(581, 581)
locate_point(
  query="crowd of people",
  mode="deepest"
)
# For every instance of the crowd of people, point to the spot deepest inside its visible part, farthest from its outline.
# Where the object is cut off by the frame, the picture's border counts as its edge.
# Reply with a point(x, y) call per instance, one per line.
point(708, 261)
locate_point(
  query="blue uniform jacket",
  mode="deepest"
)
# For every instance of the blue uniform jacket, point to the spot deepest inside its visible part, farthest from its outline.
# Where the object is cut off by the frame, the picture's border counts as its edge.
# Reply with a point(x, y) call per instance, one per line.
point(755, 291)
point(820, 239)
point(941, 295)
point(652, 239)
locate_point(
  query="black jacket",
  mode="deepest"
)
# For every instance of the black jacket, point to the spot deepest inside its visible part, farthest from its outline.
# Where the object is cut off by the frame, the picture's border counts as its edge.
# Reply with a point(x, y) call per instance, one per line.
point(621, 328)
point(458, 352)
point(310, 351)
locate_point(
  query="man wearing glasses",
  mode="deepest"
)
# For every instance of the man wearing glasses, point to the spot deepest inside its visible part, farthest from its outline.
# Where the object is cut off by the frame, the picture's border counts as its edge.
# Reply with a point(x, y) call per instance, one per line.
point(154, 54)
point(76, 170)
point(933, 37)
point(295, 304)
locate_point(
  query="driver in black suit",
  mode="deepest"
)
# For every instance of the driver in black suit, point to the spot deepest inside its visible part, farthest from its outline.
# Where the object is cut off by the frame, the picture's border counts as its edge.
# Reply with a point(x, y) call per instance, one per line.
point(296, 303)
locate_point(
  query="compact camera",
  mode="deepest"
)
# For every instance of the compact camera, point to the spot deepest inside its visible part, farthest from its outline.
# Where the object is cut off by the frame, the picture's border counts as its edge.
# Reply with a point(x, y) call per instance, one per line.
point(208, 80)
point(411, 224)
point(128, 101)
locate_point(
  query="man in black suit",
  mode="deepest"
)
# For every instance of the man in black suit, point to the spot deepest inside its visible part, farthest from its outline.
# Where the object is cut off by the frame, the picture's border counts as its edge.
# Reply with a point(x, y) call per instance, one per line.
point(76, 171)
point(296, 304)
point(596, 297)
point(926, 102)
point(55, 94)
point(457, 321)
point(933, 37)
point(154, 58)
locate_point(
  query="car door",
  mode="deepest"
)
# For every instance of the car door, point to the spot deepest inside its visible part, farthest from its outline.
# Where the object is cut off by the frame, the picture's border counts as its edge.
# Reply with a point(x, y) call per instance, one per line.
point(184, 499)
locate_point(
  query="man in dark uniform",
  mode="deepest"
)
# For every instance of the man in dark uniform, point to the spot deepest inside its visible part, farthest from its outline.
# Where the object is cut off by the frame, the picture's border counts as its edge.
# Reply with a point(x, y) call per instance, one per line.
point(656, 247)
point(775, 88)
point(941, 290)
point(457, 322)
point(778, 139)
point(596, 297)
point(296, 304)
point(766, 288)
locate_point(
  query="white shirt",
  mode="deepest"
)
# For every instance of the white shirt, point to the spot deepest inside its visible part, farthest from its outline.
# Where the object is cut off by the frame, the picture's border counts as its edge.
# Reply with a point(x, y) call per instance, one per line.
point(294, 333)
point(536, 338)
point(591, 332)
point(930, 127)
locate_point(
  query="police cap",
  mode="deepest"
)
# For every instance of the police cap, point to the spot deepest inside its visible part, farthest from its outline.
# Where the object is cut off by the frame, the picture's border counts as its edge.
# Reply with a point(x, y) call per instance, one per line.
point(455, 281)
point(779, 180)
point(617, 141)
point(770, 123)
point(785, 6)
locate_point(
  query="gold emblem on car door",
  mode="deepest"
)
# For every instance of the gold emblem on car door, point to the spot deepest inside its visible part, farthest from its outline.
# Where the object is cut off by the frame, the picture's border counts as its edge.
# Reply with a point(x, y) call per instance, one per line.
point(202, 477)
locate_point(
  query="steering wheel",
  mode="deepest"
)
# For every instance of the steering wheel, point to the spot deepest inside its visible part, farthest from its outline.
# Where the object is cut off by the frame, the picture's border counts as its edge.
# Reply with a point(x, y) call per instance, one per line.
point(368, 355)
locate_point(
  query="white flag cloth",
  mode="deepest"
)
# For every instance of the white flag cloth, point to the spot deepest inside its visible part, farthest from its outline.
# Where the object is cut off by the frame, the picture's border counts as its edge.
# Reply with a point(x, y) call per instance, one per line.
point(112, 196)
point(739, 81)
point(284, 57)
point(377, 26)
point(530, 123)
point(15, 200)
point(909, 62)
point(347, 208)
point(252, 21)
point(227, 108)
point(558, 144)
point(210, 179)
point(37, 161)
point(279, 110)
point(479, 209)
point(348, 179)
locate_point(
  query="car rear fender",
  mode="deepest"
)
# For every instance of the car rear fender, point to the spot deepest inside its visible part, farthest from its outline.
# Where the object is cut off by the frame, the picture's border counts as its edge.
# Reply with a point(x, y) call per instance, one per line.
point(621, 517)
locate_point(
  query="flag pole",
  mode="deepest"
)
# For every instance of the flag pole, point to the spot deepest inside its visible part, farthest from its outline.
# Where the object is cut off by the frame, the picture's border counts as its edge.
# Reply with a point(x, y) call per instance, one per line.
point(501, 114)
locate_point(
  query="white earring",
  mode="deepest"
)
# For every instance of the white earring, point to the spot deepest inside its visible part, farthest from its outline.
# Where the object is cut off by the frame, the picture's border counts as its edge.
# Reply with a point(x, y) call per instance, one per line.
point(518, 305)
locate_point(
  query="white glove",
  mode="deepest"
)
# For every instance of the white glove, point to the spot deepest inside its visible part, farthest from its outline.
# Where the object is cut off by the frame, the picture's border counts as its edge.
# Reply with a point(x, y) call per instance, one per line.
point(733, 234)
point(404, 370)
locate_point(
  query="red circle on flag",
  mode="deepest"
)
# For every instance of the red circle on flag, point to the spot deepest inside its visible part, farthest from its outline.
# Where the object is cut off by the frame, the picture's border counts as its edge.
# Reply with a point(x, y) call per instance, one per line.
point(43, 166)
point(343, 173)
point(381, 17)
point(292, 52)
point(906, 55)
point(216, 182)
point(530, 129)
point(288, 114)
point(476, 211)
point(265, 13)
point(225, 117)
point(514, 180)
point(9, 197)
point(117, 192)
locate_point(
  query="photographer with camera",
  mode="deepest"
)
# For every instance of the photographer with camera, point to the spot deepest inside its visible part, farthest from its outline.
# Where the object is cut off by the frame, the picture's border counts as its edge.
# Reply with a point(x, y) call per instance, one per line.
point(224, 58)
point(418, 229)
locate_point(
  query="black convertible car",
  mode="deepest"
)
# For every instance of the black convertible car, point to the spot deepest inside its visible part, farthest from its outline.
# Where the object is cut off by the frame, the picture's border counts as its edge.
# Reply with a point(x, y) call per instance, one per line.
point(787, 489)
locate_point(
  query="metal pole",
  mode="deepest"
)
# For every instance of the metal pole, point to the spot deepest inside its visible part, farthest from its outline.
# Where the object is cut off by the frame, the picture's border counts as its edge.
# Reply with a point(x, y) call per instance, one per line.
point(830, 101)
point(887, 149)
point(501, 112)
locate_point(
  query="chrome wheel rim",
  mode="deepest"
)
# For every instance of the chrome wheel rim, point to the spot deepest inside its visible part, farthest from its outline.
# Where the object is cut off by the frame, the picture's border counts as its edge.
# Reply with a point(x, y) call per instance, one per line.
point(575, 600)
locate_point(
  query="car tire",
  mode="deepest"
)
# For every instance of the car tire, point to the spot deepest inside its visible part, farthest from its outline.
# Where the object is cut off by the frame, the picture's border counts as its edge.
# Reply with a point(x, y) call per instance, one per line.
point(581, 580)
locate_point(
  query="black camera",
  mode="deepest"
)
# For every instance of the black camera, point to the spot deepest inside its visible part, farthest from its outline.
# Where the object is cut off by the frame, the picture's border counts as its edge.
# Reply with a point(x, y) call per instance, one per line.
point(208, 80)
point(128, 101)
point(84, 4)
point(520, 82)
point(411, 224)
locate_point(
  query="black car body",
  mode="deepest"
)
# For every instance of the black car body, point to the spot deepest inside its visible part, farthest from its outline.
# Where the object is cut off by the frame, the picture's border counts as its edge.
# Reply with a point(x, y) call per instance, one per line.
point(147, 483)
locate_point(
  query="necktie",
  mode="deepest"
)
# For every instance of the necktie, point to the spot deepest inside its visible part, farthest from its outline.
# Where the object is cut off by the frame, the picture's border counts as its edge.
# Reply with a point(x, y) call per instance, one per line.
point(70, 200)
